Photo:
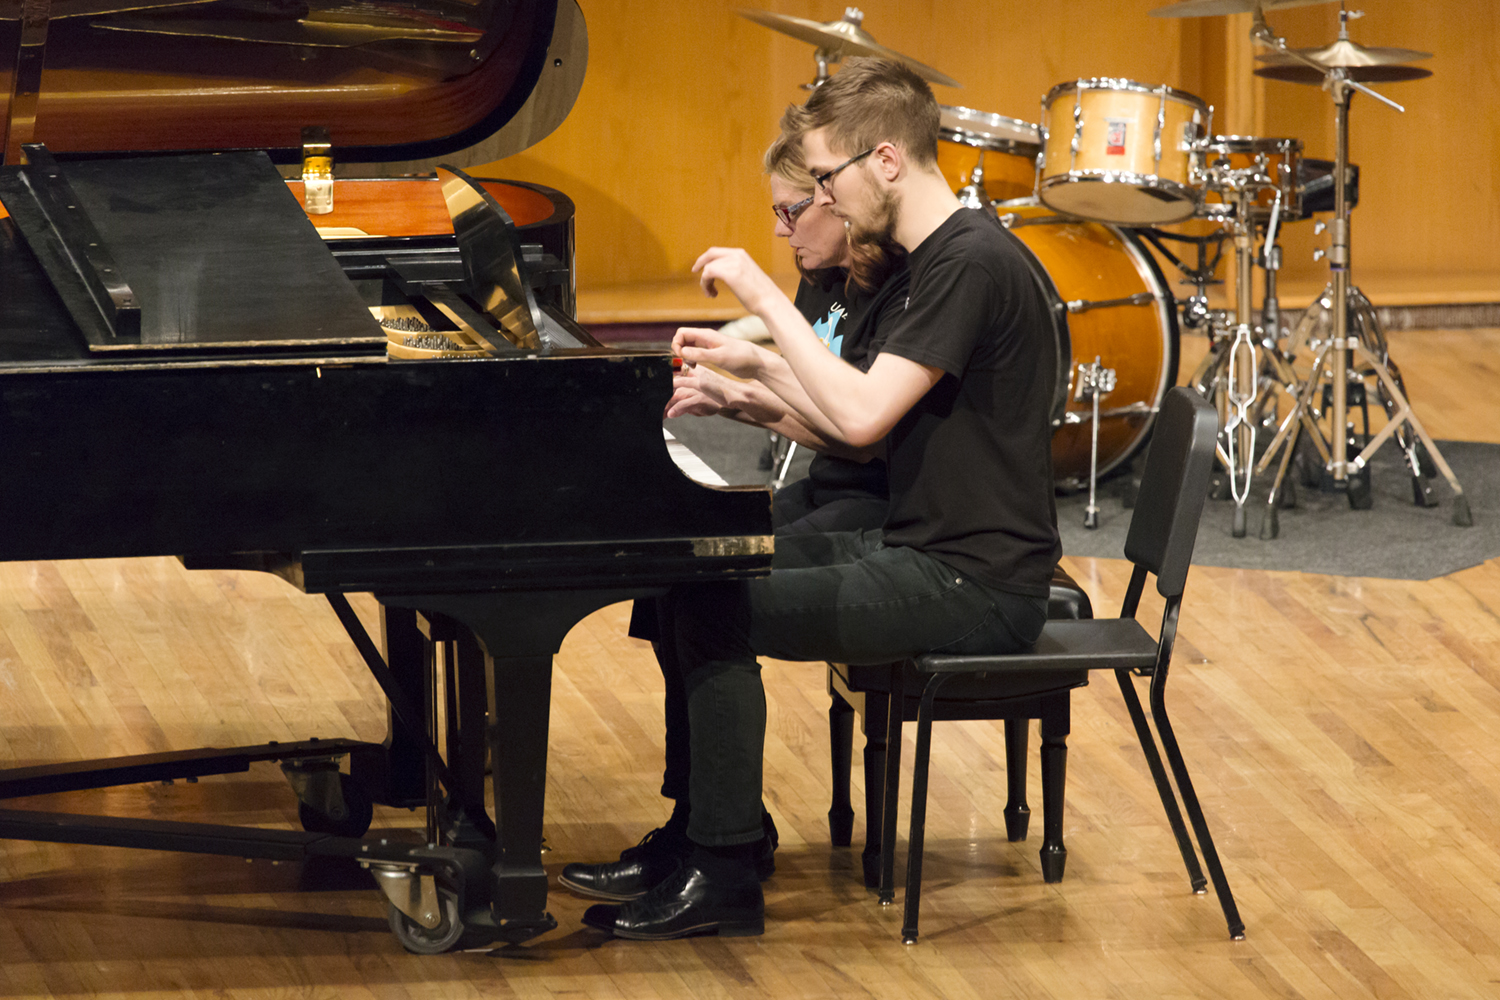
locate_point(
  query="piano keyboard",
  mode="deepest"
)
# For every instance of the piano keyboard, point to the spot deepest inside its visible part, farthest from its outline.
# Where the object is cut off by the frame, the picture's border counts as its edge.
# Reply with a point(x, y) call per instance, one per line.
point(691, 465)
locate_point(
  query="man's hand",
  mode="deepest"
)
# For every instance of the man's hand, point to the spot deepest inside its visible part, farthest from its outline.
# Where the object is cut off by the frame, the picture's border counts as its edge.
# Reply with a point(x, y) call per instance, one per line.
point(740, 275)
point(737, 357)
point(698, 392)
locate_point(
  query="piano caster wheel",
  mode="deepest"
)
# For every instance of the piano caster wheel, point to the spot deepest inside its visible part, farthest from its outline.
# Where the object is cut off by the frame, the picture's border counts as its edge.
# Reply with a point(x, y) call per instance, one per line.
point(359, 811)
point(429, 940)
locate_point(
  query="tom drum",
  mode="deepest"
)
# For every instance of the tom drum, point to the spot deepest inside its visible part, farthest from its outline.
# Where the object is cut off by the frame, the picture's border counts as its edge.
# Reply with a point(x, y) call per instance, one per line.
point(1004, 149)
point(1121, 151)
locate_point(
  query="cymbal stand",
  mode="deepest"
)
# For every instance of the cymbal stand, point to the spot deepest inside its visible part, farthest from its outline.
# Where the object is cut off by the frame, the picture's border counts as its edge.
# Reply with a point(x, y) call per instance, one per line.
point(1344, 355)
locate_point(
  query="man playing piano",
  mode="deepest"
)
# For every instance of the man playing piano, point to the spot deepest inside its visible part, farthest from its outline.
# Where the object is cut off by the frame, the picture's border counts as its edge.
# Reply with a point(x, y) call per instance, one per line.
point(960, 391)
point(849, 293)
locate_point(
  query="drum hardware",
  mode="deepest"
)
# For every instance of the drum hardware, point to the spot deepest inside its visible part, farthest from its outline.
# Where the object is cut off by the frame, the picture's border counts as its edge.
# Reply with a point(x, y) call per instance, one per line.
point(1094, 381)
point(837, 39)
point(1348, 348)
point(1244, 368)
point(972, 194)
point(1010, 220)
point(1138, 299)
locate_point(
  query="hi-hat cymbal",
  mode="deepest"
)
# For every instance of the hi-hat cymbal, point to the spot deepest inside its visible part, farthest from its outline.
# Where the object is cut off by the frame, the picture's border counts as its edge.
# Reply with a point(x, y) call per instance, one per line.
point(844, 38)
point(1345, 53)
point(1219, 8)
point(1301, 73)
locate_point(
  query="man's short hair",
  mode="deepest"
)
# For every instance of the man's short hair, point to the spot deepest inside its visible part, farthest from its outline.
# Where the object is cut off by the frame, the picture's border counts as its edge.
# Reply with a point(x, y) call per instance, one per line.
point(868, 102)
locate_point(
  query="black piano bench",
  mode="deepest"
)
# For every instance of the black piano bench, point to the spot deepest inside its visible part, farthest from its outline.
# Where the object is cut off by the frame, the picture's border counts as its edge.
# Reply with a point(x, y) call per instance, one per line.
point(1163, 530)
point(865, 691)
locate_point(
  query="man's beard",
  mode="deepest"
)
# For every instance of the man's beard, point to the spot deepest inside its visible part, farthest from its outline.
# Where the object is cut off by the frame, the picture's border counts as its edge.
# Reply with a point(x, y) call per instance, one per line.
point(880, 228)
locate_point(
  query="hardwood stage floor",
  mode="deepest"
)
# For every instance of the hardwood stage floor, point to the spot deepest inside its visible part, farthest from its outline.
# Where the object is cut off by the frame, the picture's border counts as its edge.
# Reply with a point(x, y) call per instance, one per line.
point(1344, 736)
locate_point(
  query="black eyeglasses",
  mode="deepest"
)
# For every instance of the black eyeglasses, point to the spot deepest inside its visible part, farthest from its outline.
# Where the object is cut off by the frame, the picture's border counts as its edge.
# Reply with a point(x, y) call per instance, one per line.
point(788, 213)
point(822, 179)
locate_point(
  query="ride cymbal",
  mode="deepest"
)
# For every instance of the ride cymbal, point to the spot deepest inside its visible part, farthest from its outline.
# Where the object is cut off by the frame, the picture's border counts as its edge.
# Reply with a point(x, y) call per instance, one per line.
point(1344, 53)
point(1221, 8)
point(844, 37)
point(1300, 73)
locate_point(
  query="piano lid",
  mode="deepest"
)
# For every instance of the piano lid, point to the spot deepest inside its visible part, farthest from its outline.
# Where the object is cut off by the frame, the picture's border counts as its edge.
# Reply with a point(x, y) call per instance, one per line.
point(405, 82)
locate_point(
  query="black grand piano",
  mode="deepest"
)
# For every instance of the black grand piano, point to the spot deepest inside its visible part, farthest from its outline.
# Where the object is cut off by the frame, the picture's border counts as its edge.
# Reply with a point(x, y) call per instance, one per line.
point(189, 368)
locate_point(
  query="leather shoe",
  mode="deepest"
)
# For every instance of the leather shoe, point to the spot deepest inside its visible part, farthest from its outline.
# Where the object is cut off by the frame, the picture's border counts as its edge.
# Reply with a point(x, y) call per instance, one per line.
point(689, 902)
point(650, 862)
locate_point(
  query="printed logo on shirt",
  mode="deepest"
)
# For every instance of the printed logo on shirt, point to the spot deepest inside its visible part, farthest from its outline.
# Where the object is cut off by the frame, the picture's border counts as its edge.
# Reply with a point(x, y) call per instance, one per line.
point(827, 329)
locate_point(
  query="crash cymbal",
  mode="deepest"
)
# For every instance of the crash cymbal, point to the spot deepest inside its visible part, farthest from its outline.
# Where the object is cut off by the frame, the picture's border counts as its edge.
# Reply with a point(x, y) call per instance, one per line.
point(1344, 53)
point(1359, 74)
point(842, 38)
point(1219, 8)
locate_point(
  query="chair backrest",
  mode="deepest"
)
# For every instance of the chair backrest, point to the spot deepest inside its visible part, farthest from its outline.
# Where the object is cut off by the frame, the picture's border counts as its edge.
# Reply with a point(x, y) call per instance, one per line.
point(1174, 486)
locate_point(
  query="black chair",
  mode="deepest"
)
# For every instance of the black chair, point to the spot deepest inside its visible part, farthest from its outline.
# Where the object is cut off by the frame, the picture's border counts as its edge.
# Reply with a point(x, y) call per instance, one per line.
point(864, 692)
point(1163, 527)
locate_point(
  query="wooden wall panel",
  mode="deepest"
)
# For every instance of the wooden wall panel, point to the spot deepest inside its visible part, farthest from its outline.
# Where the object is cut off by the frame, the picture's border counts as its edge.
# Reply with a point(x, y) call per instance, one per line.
point(1428, 177)
point(662, 151)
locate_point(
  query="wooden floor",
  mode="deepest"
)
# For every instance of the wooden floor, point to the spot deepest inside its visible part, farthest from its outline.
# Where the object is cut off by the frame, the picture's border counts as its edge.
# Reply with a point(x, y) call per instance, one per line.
point(1345, 735)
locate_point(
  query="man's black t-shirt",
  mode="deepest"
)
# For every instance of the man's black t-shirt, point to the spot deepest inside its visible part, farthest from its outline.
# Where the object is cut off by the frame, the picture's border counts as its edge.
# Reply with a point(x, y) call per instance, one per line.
point(970, 465)
point(848, 323)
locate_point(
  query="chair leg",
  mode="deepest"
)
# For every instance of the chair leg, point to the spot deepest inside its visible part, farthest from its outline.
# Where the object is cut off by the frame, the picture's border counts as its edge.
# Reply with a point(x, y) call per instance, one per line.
point(840, 752)
point(1190, 802)
point(875, 722)
point(892, 788)
point(1055, 725)
point(918, 835)
point(1017, 812)
point(1159, 774)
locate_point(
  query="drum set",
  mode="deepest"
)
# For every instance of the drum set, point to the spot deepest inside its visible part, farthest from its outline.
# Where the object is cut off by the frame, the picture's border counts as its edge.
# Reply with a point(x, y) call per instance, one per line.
point(1112, 169)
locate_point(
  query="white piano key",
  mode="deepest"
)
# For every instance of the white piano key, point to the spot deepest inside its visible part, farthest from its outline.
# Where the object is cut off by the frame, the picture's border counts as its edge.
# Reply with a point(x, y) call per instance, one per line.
point(691, 465)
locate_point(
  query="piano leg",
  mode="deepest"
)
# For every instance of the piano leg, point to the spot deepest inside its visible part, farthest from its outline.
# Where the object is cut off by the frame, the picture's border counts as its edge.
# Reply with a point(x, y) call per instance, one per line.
point(398, 776)
point(519, 633)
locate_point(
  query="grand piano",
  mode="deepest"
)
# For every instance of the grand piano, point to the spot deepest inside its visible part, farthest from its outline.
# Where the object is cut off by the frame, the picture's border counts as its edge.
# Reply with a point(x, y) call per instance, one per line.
point(188, 367)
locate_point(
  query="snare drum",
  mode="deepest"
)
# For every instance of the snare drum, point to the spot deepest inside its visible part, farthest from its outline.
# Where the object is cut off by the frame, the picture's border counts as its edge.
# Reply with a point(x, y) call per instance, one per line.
point(1276, 161)
point(967, 135)
point(1110, 301)
point(1121, 151)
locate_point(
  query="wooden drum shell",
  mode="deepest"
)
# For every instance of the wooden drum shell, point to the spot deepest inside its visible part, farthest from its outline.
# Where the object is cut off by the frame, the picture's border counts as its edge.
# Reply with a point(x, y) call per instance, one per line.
point(1007, 148)
point(1115, 174)
point(1083, 263)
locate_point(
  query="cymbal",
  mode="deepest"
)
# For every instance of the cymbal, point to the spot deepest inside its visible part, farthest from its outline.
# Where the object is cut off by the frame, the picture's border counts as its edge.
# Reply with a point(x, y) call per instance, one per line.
point(1301, 73)
point(1345, 53)
point(1219, 8)
point(843, 38)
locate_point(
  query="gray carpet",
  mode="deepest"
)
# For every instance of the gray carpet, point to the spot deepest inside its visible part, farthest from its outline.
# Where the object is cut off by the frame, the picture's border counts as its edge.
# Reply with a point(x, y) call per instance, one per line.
point(1394, 539)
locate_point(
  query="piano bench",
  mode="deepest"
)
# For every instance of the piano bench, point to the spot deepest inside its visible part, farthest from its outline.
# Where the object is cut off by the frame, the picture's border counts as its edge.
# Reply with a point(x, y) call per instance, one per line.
point(864, 690)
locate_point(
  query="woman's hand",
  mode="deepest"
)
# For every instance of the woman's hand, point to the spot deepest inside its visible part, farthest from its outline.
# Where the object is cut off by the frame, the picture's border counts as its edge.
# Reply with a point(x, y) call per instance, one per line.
point(737, 357)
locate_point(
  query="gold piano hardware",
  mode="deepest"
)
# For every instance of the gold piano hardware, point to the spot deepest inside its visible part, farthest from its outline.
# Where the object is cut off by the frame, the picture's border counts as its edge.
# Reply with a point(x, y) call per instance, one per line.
point(734, 545)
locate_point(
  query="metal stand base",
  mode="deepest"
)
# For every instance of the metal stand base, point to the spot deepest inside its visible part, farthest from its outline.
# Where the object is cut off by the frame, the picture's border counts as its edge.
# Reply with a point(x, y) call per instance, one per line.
point(1359, 362)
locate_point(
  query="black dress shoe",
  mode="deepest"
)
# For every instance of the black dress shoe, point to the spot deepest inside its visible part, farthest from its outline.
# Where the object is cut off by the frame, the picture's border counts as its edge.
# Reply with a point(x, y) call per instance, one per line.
point(689, 902)
point(648, 863)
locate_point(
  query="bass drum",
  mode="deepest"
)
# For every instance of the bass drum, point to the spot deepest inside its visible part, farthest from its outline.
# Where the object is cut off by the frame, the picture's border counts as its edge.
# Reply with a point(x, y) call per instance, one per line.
point(1109, 301)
